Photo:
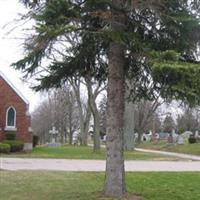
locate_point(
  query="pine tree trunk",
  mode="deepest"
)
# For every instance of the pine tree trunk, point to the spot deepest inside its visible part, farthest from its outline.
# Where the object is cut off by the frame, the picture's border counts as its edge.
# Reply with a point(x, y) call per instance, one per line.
point(129, 126)
point(129, 123)
point(115, 174)
point(114, 182)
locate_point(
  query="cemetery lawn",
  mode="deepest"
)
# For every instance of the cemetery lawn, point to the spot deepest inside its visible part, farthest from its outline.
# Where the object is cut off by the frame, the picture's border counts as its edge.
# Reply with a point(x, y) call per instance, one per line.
point(187, 148)
point(78, 152)
point(88, 186)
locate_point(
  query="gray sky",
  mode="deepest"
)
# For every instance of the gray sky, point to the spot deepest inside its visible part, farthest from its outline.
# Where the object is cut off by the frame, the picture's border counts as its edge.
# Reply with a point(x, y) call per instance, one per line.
point(11, 49)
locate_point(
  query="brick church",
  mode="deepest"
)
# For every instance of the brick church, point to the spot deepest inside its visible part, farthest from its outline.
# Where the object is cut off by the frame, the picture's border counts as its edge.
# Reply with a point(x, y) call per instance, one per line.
point(14, 113)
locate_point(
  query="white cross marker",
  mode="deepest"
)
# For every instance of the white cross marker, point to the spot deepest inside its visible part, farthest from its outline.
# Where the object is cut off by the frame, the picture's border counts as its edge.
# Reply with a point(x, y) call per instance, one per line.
point(53, 132)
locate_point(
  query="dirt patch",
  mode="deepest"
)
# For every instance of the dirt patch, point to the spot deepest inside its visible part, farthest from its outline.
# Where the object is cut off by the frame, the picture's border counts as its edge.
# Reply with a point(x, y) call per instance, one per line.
point(127, 196)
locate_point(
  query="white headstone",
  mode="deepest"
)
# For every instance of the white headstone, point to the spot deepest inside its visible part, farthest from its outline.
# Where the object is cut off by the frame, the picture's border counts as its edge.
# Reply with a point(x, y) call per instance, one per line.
point(146, 137)
point(180, 140)
point(174, 137)
point(196, 134)
point(54, 134)
point(186, 134)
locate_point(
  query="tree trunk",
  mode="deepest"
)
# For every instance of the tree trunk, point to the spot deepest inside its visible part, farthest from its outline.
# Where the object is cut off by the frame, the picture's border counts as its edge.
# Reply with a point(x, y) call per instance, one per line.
point(139, 140)
point(115, 174)
point(86, 124)
point(95, 113)
point(97, 143)
point(129, 126)
point(70, 131)
point(84, 120)
point(84, 134)
point(70, 138)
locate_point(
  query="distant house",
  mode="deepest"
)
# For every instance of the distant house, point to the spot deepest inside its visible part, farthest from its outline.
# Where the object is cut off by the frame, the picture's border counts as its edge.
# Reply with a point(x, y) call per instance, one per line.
point(14, 113)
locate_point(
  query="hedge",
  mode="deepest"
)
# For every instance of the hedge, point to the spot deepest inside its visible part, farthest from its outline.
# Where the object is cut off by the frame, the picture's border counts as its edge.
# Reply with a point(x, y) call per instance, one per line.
point(4, 148)
point(192, 139)
point(15, 145)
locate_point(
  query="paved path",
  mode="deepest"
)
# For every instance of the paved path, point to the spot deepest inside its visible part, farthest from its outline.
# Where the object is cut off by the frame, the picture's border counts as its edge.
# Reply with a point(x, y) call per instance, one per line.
point(94, 165)
point(178, 155)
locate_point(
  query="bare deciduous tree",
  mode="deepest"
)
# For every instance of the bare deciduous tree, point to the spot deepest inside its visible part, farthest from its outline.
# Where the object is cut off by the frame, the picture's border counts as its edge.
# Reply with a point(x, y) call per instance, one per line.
point(145, 115)
point(60, 110)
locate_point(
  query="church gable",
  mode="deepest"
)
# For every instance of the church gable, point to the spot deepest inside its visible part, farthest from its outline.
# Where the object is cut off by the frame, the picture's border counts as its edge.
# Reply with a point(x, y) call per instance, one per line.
point(5, 80)
point(14, 112)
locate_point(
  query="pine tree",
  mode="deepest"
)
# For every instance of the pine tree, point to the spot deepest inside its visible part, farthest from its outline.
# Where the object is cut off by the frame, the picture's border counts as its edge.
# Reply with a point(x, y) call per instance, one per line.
point(168, 124)
point(117, 39)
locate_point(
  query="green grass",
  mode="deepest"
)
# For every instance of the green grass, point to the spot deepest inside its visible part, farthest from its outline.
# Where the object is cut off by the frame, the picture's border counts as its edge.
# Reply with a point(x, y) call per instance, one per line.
point(77, 152)
point(88, 186)
point(163, 146)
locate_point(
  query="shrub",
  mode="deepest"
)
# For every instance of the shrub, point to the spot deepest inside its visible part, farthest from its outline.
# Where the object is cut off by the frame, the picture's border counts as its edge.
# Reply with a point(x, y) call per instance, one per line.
point(35, 140)
point(4, 148)
point(192, 139)
point(15, 145)
point(10, 135)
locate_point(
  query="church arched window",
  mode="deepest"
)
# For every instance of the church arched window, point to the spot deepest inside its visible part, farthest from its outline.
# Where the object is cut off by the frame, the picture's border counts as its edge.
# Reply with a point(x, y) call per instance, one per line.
point(11, 117)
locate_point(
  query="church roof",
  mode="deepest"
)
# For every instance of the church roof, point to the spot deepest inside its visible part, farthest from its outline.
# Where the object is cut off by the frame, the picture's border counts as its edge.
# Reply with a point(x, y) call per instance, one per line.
point(14, 88)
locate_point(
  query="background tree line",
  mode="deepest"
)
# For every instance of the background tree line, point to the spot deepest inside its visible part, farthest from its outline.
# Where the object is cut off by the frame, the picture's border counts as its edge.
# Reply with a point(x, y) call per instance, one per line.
point(68, 113)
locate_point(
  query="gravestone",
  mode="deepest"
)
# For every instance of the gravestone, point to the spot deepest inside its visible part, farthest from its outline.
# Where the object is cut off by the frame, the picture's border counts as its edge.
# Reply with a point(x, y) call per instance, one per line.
point(170, 139)
point(75, 137)
point(186, 134)
point(197, 135)
point(54, 134)
point(136, 135)
point(180, 140)
point(163, 135)
point(146, 137)
point(174, 136)
point(155, 137)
